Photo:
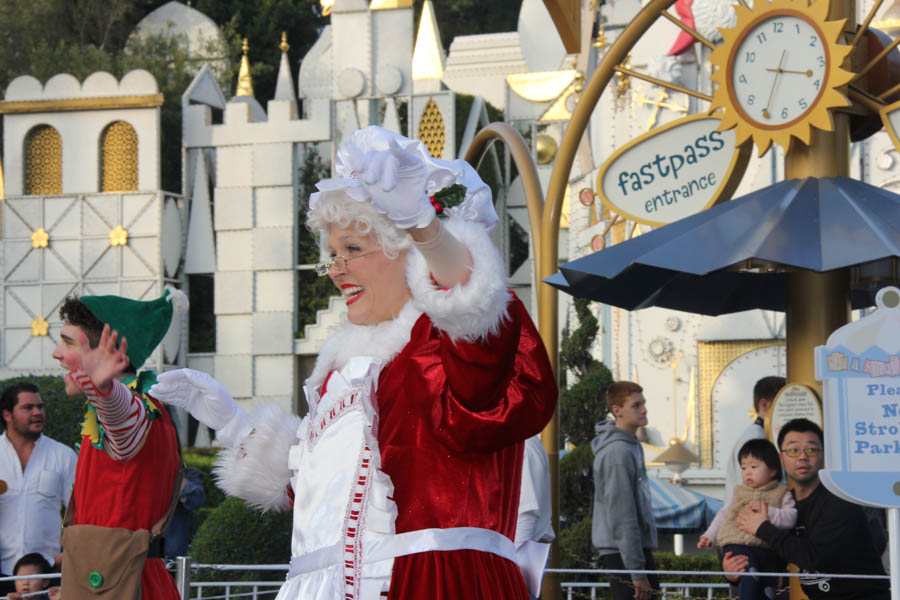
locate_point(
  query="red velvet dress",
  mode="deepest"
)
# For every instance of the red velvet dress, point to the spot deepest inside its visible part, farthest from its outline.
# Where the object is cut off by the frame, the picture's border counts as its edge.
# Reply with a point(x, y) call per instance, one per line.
point(132, 494)
point(452, 422)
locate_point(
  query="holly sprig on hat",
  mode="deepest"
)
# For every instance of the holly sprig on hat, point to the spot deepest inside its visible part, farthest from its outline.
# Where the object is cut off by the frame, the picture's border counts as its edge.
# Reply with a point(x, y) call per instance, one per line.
point(447, 198)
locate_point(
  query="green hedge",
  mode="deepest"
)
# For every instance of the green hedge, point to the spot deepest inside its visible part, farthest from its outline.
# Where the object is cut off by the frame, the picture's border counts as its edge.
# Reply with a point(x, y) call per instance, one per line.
point(668, 561)
point(576, 485)
point(233, 533)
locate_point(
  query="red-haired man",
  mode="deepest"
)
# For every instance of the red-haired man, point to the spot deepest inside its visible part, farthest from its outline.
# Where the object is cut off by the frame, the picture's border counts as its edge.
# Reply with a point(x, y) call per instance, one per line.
point(624, 531)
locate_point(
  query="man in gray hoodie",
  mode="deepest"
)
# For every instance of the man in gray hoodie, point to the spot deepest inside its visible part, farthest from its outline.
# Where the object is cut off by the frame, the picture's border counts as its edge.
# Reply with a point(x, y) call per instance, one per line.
point(624, 531)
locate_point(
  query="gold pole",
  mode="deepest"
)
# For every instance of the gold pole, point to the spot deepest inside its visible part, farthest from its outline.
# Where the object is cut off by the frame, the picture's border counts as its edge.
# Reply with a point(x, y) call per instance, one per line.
point(665, 84)
point(534, 198)
point(817, 303)
point(862, 29)
point(874, 61)
point(689, 30)
point(549, 258)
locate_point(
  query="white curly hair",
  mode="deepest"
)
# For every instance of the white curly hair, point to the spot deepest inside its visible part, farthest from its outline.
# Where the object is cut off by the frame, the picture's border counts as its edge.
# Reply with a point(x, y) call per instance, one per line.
point(337, 208)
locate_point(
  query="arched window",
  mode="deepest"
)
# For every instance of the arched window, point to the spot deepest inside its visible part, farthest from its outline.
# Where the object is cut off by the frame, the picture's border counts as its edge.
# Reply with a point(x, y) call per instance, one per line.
point(118, 158)
point(43, 161)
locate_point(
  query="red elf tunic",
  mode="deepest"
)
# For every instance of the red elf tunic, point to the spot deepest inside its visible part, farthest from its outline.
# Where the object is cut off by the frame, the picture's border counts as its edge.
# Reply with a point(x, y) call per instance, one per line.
point(132, 494)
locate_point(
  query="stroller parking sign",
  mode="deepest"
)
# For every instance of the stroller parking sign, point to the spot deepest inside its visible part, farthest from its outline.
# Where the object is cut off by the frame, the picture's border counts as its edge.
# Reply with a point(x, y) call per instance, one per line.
point(860, 370)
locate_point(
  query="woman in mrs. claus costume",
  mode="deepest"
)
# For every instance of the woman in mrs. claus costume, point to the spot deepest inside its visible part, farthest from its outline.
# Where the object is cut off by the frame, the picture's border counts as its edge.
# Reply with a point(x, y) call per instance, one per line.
point(405, 473)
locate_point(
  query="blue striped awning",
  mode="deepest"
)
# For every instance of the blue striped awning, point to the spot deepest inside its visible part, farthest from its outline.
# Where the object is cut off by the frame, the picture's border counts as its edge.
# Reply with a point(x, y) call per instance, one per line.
point(677, 509)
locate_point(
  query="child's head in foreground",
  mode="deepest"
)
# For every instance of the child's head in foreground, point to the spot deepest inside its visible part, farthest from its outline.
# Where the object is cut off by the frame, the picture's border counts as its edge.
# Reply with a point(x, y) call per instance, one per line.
point(32, 564)
point(759, 463)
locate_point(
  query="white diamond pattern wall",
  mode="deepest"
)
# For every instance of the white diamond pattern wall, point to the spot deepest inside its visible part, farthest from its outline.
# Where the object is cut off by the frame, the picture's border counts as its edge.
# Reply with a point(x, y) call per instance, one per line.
point(57, 246)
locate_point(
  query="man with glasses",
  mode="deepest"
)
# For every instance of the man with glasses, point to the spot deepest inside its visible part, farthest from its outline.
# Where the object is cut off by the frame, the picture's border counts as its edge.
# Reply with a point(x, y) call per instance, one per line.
point(831, 535)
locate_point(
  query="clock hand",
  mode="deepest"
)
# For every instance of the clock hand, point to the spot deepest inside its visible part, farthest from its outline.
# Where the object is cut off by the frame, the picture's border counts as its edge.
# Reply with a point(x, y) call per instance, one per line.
point(765, 111)
point(807, 72)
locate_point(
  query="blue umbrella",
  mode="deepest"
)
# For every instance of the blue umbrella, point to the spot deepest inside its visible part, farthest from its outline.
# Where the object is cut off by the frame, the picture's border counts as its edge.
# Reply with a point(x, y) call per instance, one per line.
point(733, 256)
point(677, 509)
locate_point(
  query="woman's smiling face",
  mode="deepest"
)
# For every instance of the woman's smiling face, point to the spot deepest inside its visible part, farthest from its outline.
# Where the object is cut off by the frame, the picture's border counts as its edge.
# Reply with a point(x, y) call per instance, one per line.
point(373, 285)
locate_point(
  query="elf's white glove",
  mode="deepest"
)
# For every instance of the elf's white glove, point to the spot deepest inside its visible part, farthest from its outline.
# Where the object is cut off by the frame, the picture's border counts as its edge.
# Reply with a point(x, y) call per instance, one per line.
point(205, 400)
point(395, 179)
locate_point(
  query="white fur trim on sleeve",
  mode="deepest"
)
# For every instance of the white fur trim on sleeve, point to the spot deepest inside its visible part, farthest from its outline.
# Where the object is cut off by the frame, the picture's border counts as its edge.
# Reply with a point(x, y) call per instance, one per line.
point(470, 311)
point(256, 469)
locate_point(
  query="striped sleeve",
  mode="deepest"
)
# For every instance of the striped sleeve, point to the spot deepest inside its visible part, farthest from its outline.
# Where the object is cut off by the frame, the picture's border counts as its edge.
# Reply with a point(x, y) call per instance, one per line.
point(121, 413)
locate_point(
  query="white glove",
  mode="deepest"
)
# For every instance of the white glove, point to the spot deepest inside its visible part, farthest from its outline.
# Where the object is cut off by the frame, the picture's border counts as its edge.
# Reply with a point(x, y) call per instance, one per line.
point(395, 179)
point(200, 395)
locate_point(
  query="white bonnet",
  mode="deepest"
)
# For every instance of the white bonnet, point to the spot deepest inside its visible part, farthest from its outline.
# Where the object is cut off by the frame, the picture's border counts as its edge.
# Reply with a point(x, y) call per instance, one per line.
point(351, 157)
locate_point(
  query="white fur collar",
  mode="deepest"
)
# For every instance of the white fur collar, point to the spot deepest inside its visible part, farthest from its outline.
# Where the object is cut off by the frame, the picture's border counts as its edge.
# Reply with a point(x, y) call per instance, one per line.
point(383, 341)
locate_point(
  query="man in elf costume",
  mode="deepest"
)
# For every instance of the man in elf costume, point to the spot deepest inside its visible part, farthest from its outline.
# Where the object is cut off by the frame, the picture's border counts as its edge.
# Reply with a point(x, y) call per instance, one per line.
point(129, 456)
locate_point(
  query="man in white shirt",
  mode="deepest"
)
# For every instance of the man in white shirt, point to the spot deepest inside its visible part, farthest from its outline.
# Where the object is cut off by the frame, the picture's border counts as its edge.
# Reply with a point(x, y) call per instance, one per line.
point(38, 473)
point(764, 393)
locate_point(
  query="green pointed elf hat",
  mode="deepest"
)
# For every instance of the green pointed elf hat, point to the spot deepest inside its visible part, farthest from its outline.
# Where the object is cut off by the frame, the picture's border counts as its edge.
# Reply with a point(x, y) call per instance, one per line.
point(144, 323)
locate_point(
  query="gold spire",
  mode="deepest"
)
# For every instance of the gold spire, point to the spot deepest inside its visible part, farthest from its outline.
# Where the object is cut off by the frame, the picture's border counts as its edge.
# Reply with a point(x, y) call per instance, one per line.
point(428, 59)
point(327, 5)
point(284, 46)
point(245, 82)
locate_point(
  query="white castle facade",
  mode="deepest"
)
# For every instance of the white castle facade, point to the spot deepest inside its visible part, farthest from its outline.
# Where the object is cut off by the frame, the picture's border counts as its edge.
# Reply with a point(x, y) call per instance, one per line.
point(84, 212)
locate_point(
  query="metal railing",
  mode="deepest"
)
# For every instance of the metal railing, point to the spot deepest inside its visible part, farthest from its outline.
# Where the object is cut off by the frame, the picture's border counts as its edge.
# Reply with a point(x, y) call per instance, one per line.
point(669, 591)
point(51, 576)
point(572, 590)
point(266, 590)
point(224, 590)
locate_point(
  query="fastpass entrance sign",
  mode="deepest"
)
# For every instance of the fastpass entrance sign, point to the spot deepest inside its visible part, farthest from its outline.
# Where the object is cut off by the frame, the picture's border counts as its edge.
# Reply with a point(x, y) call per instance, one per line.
point(673, 171)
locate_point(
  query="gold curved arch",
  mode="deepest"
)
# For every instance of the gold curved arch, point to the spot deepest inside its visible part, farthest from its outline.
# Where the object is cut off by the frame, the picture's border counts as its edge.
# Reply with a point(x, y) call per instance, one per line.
point(548, 296)
point(521, 156)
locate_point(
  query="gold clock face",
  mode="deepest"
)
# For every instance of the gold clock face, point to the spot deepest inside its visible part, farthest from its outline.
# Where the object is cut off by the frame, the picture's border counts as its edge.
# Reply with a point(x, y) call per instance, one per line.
point(779, 72)
point(778, 68)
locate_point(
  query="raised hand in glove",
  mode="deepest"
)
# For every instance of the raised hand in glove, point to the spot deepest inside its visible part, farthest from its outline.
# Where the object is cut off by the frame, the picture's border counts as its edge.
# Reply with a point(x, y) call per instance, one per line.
point(199, 394)
point(395, 179)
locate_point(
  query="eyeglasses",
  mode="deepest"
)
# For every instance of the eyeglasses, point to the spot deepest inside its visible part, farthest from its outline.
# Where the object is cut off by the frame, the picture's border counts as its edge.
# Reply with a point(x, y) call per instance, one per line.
point(810, 451)
point(340, 262)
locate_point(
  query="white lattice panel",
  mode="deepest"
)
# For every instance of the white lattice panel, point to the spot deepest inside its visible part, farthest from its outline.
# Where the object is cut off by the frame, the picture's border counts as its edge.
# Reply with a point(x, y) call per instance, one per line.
point(78, 259)
point(275, 206)
point(274, 291)
point(270, 248)
point(234, 208)
point(273, 333)
point(235, 373)
point(19, 304)
point(234, 166)
point(62, 261)
point(233, 292)
point(273, 164)
point(233, 332)
point(274, 375)
point(140, 214)
point(233, 250)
